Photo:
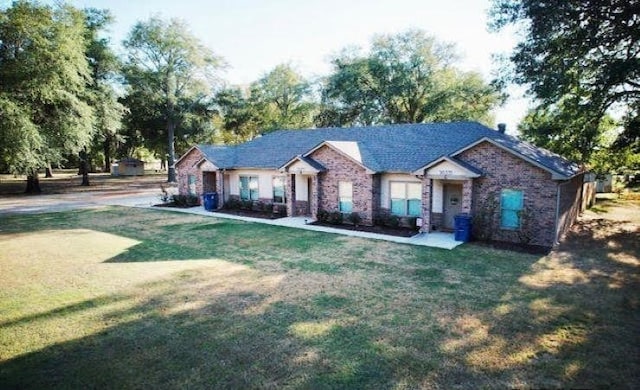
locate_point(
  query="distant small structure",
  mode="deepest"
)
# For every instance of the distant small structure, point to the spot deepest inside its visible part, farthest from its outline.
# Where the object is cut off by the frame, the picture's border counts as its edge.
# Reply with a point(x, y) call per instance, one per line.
point(604, 183)
point(128, 167)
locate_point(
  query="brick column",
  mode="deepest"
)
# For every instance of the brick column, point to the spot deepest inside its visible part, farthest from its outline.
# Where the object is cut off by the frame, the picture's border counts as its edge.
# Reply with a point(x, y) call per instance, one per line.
point(220, 188)
point(314, 196)
point(467, 195)
point(426, 205)
point(291, 195)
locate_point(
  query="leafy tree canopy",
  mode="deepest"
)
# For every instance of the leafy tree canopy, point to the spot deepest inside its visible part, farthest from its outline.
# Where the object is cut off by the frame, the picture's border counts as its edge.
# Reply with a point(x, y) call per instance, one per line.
point(405, 78)
point(44, 103)
point(586, 52)
point(171, 74)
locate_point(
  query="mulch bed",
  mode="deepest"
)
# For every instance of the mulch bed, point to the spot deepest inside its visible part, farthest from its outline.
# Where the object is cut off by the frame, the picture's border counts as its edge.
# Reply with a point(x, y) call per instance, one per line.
point(250, 214)
point(398, 232)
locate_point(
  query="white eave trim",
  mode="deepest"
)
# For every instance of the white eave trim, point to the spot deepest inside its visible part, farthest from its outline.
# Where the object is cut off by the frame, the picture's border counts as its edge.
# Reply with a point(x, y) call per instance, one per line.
point(468, 174)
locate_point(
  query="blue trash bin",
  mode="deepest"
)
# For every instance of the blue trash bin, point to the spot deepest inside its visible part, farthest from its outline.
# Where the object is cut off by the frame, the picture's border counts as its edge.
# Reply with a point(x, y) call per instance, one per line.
point(462, 225)
point(210, 200)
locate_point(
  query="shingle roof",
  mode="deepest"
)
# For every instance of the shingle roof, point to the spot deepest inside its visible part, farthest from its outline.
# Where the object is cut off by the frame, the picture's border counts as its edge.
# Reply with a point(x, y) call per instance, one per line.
point(388, 148)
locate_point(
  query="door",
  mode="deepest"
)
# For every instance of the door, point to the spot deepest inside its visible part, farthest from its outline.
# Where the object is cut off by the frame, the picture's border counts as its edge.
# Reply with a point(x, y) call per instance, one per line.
point(452, 204)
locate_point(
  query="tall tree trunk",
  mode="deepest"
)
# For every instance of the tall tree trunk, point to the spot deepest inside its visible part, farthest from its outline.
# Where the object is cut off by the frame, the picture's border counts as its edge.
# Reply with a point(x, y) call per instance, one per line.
point(106, 148)
point(84, 167)
point(171, 158)
point(33, 183)
point(48, 172)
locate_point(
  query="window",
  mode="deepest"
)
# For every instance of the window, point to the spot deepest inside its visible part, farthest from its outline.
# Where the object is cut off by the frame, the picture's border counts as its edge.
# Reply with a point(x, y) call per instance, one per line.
point(249, 187)
point(279, 190)
point(192, 184)
point(406, 199)
point(345, 196)
point(511, 204)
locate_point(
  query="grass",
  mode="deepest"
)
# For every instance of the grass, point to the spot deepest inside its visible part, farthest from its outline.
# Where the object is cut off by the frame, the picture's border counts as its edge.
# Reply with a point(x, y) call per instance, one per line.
point(130, 298)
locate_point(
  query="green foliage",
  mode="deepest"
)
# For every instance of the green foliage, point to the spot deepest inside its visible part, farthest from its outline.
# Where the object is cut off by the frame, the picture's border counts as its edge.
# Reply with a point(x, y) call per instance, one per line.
point(323, 216)
point(45, 110)
point(354, 218)
point(185, 200)
point(169, 74)
point(233, 204)
point(105, 67)
point(335, 218)
point(386, 219)
point(280, 209)
point(580, 59)
point(283, 99)
point(405, 78)
point(240, 119)
point(280, 100)
point(561, 128)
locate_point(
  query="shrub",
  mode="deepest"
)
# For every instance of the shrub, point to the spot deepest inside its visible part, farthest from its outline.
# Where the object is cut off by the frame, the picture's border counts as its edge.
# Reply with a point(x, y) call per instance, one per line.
point(281, 210)
point(258, 206)
point(185, 200)
point(267, 208)
point(335, 218)
point(386, 219)
point(246, 205)
point(323, 216)
point(233, 204)
point(354, 218)
point(392, 221)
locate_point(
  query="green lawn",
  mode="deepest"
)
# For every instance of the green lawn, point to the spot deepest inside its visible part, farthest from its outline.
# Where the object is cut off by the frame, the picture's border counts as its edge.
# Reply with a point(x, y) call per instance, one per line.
point(130, 298)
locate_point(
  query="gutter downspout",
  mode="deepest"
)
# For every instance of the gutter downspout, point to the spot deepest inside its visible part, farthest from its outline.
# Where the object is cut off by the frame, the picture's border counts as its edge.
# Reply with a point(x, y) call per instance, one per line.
point(557, 227)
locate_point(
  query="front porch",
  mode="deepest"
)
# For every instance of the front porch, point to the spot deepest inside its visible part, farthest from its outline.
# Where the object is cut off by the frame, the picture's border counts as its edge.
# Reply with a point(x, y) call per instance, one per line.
point(447, 190)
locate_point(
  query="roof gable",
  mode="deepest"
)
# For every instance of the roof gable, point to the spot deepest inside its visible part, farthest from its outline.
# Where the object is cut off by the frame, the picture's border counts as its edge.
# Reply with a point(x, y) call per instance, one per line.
point(559, 167)
point(349, 149)
point(448, 168)
point(302, 164)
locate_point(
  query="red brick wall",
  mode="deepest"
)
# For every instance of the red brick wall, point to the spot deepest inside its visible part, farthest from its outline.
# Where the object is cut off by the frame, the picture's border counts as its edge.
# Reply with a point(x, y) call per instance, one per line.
point(341, 168)
point(570, 204)
point(503, 170)
point(187, 166)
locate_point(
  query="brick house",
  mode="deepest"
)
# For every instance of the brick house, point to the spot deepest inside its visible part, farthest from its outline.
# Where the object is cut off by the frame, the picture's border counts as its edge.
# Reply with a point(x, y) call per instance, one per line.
point(427, 173)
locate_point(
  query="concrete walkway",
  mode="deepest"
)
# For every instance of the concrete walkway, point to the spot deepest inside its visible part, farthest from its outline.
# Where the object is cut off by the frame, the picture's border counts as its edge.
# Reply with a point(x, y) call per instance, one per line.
point(146, 199)
point(434, 239)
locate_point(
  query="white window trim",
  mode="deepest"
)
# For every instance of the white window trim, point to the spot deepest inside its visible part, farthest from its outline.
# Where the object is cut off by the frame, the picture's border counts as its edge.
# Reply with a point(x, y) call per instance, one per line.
point(406, 197)
point(284, 187)
point(249, 177)
point(340, 197)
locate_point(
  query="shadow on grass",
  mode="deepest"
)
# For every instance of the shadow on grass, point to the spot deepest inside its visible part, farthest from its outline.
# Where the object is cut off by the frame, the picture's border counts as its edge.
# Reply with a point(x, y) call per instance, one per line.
point(418, 318)
point(218, 344)
point(571, 321)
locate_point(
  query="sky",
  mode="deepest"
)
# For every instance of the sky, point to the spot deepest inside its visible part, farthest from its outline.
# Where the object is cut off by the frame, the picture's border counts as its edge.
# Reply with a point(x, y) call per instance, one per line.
point(254, 36)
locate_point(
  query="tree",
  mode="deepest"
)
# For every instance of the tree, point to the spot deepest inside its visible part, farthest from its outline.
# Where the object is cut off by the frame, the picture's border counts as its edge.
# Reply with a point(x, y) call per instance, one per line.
point(586, 51)
point(44, 113)
point(172, 71)
point(283, 99)
point(240, 119)
point(405, 78)
point(105, 68)
point(561, 129)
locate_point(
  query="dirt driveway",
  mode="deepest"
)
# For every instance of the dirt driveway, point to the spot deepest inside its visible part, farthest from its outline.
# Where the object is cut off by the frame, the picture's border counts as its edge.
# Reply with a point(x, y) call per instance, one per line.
point(63, 192)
